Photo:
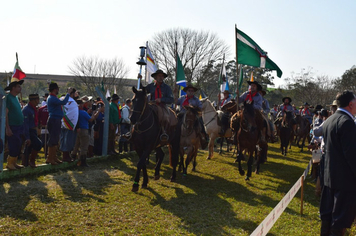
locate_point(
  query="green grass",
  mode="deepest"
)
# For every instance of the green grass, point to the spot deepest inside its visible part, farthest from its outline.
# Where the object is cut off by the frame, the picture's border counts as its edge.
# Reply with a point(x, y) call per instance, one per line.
point(214, 200)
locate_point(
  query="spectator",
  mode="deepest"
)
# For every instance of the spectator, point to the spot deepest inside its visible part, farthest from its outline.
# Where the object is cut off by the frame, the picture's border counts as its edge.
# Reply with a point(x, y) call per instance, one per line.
point(44, 102)
point(99, 130)
point(125, 125)
point(33, 143)
point(114, 121)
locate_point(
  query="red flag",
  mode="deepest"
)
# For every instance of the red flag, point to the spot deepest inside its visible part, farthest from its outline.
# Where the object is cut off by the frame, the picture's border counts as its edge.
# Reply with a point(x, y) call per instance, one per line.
point(18, 73)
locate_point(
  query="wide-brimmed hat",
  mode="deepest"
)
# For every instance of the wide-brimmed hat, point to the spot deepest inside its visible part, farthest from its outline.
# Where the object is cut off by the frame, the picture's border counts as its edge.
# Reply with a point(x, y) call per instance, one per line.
point(159, 72)
point(324, 113)
point(254, 82)
point(53, 86)
point(190, 86)
point(334, 103)
point(318, 108)
point(306, 104)
point(115, 97)
point(290, 100)
point(86, 98)
point(13, 82)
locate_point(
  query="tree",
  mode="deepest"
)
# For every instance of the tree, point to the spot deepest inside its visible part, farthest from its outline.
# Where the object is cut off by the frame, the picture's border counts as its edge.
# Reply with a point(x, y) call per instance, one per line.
point(92, 71)
point(347, 80)
point(198, 51)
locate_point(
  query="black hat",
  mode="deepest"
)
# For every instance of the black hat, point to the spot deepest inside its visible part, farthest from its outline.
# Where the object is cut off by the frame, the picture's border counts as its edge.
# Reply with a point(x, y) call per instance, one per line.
point(115, 97)
point(46, 95)
point(33, 96)
point(190, 86)
point(254, 82)
point(159, 72)
point(290, 100)
point(53, 86)
point(14, 82)
point(318, 108)
point(306, 104)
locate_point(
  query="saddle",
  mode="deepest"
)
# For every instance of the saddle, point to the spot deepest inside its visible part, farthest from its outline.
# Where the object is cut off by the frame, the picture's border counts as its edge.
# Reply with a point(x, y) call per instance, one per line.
point(166, 116)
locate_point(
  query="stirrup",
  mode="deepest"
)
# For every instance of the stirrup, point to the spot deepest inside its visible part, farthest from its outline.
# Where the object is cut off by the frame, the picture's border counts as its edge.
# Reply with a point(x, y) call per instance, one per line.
point(164, 137)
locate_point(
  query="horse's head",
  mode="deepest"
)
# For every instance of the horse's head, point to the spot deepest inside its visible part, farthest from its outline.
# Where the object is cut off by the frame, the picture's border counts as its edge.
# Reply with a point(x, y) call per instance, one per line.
point(230, 106)
point(139, 103)
point(207, 105)
point(190, 117)
point(287, 118)
point(248, 121)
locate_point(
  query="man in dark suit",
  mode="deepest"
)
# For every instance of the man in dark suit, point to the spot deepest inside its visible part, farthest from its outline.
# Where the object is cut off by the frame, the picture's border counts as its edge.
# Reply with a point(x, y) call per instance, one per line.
point(338, 199)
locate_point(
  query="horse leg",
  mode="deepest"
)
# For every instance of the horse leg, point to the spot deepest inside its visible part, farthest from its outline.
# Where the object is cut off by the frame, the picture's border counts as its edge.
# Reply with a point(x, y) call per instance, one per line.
point(140, 165)
point(249, 166)
point(211, 146)
point(145, 177)
point(174, 155)
point(159, 158)
point(221, 144)
point(195, 158)
point(303, 143)
point(241, 171)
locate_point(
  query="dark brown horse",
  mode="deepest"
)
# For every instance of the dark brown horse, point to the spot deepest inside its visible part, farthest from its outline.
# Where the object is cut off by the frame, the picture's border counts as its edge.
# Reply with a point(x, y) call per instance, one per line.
point(303, 131)
point(228, 108)
point(285, 131)
point(146, 137)
point(248, 124)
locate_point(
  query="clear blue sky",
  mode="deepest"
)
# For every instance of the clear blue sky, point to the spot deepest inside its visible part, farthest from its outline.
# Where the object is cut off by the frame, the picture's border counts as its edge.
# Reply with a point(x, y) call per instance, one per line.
point(49, 34)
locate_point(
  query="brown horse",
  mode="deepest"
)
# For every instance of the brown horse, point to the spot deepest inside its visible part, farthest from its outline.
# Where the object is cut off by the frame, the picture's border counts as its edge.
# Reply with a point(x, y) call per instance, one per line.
point(146, 137)
point(189, 139)
point(303, 131)
point(248, 124)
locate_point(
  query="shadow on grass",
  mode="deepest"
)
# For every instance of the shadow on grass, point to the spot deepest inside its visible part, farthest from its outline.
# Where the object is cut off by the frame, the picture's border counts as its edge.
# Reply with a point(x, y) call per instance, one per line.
point(14, 202)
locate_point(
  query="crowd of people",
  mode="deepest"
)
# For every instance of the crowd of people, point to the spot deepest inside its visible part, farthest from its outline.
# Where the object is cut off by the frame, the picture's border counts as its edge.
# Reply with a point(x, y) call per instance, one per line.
point(67, 123)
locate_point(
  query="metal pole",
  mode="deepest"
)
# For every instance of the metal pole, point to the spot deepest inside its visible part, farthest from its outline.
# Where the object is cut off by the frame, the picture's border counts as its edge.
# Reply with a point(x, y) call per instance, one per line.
point(106, 121)
point(301, 194)
point(2, 124)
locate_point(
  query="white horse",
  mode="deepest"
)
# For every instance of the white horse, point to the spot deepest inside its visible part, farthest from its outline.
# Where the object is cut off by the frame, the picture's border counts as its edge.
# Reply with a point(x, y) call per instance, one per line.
point(210, 118)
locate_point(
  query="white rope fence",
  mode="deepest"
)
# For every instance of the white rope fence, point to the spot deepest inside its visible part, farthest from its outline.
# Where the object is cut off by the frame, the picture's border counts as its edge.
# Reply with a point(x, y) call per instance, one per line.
point(273, 216)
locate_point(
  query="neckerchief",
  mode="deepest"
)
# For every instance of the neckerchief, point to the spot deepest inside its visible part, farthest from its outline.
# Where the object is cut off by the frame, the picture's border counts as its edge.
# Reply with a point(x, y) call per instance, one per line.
point(158, 93)
point(36, 113)
point(306, 111)
point(250, 96)
point(186, 101)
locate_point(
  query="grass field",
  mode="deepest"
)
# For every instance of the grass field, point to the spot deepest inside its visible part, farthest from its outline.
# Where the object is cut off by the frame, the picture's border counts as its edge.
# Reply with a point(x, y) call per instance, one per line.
point(214, 200)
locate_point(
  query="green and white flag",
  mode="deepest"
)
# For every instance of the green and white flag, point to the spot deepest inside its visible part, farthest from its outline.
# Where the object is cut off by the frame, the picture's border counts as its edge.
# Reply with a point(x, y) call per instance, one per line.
point(249, 53)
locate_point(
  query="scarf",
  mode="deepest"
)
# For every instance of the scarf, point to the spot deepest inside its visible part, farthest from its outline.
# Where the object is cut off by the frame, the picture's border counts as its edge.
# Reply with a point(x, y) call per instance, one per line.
point(158, 93)
point(250, 96)
point(306, 111)
point(186, 101)
point(36, 113)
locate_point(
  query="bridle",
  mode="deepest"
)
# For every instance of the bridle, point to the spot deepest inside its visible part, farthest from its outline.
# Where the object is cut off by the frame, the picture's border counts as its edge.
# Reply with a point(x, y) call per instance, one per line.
point(139, 121)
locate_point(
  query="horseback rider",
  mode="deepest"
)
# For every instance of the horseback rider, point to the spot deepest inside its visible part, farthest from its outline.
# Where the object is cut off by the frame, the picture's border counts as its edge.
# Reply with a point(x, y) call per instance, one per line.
point(286, 106)
point(226, 115)
point(192, 100)
point(252, 94)
point(160, 93)
point(265, 111)
point(307, 114)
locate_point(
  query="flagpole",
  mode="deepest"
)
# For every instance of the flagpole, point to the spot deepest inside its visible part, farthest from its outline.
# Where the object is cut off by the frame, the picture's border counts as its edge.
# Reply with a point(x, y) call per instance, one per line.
point(220, 82)
point(237, 72)
point(146, 74)
point(175, 85)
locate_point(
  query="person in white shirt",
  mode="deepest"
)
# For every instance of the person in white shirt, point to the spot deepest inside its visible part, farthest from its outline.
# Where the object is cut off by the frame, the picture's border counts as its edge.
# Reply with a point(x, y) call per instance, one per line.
point(125, 125)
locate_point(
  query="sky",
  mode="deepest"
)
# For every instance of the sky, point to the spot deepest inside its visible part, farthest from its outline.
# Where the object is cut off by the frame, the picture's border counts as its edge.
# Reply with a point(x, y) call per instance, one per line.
point(49, 35)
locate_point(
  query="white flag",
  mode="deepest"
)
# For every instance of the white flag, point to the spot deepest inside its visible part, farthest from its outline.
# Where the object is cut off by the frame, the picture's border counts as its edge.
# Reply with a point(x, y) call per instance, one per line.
point(151, 66)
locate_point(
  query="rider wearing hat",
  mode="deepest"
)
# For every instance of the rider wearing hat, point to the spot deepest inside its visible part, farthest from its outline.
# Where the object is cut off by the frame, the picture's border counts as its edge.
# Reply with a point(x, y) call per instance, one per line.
point(252, 95)
point(161, 93)
point(190, 99)
point(226, 98)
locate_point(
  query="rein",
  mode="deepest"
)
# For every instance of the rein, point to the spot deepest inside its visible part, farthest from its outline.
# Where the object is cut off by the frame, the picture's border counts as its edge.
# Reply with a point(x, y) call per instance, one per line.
point(186, 127)
point(136, 129)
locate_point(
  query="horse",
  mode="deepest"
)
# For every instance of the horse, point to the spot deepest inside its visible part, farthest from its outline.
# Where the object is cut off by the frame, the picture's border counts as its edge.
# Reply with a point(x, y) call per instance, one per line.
point(231, 108)
point(285, 131)
point(146, 135)
point(303, 131)
point(212, 127)
point(189, 139)
point(248, 125)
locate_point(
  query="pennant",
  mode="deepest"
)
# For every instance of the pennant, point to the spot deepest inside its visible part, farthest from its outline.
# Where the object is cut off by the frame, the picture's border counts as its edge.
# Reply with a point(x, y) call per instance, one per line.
point(249, 53)
point(151, 66)
point(181, 81)
point(18, 73)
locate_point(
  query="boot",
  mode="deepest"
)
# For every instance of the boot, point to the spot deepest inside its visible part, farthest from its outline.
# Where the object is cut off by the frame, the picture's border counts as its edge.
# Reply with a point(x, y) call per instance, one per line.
point(121, 143)
point(90, 151)
point(55, 158)
point(66, 157)
point(16, 165)
point(33, 156)
point(51, 156)
point(325, 228)
point(24, 159)
point(83, 161)
point(10, 163)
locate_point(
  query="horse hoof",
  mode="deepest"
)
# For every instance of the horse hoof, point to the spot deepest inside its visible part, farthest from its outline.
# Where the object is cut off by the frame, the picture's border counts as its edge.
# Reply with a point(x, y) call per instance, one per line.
point(257, 172)
point(144, 186)
point(134, 188)
point(242, 173)
point(247, 178)
point(157, 177)
point(208, 158)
